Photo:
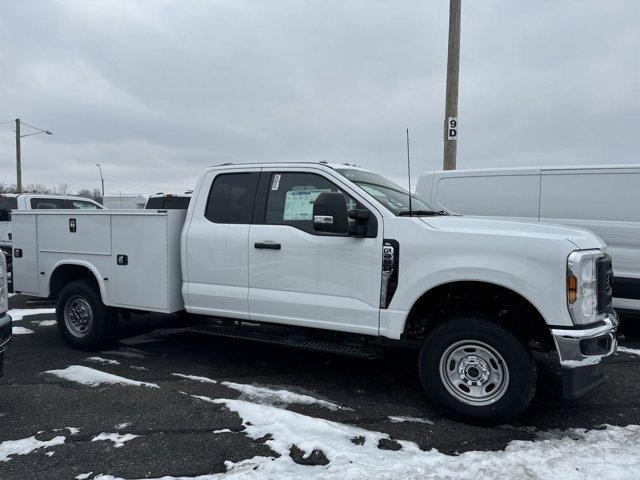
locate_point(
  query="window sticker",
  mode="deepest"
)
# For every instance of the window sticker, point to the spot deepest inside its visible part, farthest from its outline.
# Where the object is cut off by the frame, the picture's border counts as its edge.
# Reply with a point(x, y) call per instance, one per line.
point(276, 181)
point(298, 204)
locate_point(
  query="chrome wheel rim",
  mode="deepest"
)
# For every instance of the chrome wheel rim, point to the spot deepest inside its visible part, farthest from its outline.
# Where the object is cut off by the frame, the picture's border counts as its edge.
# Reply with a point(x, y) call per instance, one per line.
point(474, 372)
point(78, 316)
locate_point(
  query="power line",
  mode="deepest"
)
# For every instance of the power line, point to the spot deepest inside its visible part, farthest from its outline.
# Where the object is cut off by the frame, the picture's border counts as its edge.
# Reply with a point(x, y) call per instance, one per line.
point(35, 128)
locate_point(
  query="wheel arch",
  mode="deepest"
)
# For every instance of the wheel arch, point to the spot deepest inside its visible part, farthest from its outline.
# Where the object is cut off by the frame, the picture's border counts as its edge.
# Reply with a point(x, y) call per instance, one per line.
point(67, 271)
point(480, 298)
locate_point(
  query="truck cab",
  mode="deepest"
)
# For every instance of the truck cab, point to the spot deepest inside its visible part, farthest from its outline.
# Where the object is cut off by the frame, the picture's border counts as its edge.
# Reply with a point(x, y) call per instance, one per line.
point(343, 254)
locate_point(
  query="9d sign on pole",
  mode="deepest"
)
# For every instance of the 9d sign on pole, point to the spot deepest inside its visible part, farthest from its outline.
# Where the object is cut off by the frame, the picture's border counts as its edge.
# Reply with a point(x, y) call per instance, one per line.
point(451, 108)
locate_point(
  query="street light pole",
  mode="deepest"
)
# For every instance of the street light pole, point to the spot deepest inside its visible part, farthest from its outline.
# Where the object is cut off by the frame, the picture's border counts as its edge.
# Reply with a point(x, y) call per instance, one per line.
point(18, 159)
point(450, 137)
point(101, 179)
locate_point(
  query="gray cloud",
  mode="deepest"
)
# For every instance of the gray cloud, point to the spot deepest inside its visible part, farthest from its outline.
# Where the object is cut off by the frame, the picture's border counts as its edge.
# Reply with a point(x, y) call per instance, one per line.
point(157, 90)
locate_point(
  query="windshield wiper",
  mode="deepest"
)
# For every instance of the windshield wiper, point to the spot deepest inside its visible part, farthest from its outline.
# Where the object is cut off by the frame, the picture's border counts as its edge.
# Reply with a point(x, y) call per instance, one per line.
point(422, 213)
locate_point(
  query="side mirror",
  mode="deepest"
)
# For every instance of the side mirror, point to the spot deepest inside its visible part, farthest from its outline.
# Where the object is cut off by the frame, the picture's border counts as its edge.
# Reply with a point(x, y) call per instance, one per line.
point(330, 213)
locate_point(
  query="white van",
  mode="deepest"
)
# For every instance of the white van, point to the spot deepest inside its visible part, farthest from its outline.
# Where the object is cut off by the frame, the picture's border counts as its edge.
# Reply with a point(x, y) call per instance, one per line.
point(603, 199)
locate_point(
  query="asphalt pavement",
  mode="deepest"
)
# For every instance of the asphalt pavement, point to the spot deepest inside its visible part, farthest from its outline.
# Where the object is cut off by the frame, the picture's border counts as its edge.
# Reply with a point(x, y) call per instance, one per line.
point(179, 435)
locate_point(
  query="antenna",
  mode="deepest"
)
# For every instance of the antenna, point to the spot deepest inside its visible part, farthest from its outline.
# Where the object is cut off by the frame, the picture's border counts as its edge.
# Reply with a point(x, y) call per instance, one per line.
point(409, 173)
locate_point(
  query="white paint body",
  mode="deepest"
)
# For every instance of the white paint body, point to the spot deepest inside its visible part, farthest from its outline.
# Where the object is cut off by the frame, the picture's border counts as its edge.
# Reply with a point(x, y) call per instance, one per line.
point(150, 281)
point(602, 199)
point(315, 281)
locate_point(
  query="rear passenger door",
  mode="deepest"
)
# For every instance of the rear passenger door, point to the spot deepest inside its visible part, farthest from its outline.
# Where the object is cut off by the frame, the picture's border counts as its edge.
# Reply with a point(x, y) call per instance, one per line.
point(216, 258)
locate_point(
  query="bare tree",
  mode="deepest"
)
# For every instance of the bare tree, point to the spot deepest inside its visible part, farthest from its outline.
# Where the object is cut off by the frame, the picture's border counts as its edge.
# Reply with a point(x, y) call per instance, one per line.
point(62, 189)
point(84, 192)
point(94, 194)
point(36, 188)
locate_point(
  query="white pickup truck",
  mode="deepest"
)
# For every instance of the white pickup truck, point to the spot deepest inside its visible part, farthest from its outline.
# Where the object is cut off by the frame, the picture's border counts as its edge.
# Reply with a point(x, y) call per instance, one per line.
point(334, 256)
point(33, 201)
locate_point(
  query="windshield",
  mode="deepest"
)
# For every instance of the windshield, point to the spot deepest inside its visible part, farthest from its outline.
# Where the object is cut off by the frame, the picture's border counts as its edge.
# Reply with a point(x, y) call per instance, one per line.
point(392, 196)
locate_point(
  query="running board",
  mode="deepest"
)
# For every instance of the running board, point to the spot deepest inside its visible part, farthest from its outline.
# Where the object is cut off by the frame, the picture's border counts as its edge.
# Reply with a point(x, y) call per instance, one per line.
point(292, 341)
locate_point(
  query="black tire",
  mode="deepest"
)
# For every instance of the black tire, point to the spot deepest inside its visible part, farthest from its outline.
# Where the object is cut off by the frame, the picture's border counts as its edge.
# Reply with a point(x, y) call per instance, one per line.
point(99, 331)
point(446, 366)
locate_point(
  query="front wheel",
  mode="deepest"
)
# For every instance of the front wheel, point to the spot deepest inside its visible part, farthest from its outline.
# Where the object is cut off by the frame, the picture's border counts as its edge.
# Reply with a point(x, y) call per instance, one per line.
point(83, 320)
point(477, 371)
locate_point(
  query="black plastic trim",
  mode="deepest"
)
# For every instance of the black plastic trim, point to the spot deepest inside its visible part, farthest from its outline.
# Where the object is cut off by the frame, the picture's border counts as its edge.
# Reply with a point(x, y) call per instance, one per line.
point(578, 381)
point(624, 287)
point(392, 284)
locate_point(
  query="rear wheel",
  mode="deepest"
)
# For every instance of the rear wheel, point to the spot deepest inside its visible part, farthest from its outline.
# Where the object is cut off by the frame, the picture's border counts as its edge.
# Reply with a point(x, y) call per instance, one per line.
point(477, 371)
point(83, 320)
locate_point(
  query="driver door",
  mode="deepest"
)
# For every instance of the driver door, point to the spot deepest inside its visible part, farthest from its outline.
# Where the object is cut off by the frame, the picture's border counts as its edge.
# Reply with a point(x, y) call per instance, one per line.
point(298, 276)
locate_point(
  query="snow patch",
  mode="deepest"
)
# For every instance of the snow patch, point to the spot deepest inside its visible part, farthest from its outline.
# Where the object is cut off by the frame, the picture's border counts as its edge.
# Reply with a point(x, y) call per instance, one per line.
point(21, 331)
point(136, 367)
point(105, 361)
point(72, 430)
point(84, 476)
point(118, 439)
point(93, 378)
point(195, 378)
point(44, 323)
point(25, 446)
point(269, 396)
point(611, 453)
point(630, 351)
point(122, 426)
point(18, 314)
point(49, 454)
point(398, 419)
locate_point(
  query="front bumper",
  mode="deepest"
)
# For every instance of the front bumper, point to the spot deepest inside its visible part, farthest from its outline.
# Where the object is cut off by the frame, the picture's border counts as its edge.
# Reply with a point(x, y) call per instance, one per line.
point(580, 353)
point(583, 347)
point(5, 339)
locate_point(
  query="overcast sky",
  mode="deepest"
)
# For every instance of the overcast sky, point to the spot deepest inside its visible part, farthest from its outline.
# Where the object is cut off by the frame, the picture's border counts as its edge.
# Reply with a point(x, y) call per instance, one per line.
point(156, 91)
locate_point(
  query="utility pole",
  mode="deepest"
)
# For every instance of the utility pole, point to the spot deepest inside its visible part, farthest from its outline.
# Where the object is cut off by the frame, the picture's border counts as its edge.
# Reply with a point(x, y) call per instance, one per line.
point(18, 152)
point(18, 160)
point(451, 108)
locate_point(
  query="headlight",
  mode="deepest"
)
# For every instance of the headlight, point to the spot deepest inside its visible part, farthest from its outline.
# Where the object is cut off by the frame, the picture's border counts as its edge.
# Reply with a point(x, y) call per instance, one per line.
point(582, 286)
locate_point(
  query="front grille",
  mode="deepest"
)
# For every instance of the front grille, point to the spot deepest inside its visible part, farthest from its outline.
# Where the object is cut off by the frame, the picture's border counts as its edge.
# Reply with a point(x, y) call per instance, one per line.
point(605, 281)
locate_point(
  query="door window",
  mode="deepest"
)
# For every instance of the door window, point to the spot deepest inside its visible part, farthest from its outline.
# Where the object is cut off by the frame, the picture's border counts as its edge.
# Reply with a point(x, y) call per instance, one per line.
point(46, 203)
point(82, 205)
point(6, 205)
point(292, 195)
point(232, 197)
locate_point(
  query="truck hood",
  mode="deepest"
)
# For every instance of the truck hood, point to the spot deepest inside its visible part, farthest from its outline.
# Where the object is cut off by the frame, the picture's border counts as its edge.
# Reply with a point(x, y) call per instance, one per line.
point(582, 239)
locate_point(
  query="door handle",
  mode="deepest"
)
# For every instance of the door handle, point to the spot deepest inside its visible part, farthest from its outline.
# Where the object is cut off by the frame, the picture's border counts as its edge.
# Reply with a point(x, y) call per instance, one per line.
point(268, 245)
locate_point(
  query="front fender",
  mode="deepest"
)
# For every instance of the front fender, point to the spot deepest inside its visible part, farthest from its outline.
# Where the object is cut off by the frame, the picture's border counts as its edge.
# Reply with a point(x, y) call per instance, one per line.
point(532, 267)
